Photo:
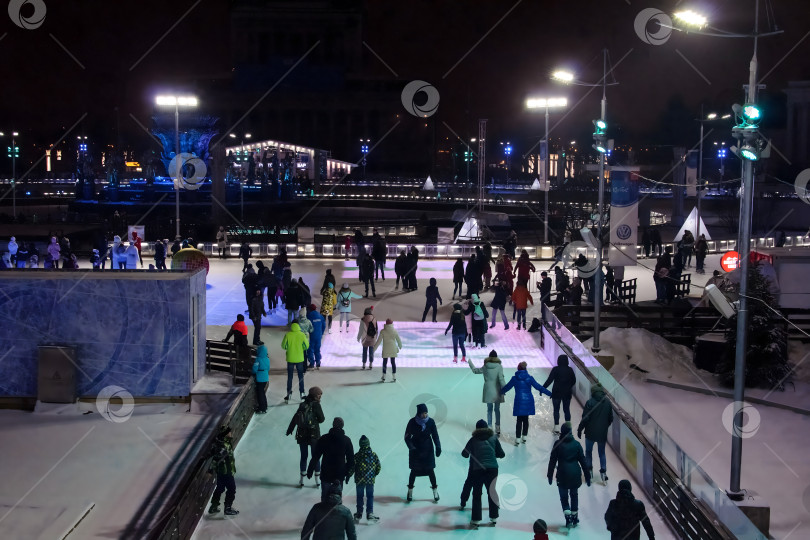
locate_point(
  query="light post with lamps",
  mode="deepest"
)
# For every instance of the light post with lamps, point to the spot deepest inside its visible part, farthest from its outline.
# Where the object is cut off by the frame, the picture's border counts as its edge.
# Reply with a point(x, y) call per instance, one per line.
point(241, 184)
point(546, 103)
point(601, 147)
point(176, 102)
point(507, 150)
point(13, 153)
point(752, 148)
point(364, 150)
point(711, 117)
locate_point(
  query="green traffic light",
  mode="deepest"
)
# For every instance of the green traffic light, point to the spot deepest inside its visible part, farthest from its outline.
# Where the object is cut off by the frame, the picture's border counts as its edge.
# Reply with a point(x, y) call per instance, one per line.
point(752, 113)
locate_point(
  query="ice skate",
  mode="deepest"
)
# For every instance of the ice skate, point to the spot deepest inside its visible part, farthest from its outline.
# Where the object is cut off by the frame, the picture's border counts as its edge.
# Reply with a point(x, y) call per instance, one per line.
point(287, 398)
point(493, 521)
point(568, 519)
point(231, 511)
point(523, 439)
point(409, 496)
point(363, 367)
point(394, 377)
point(436, 494)
point(214, 508)
point(464, 359)
point(603, 476)
point(303, 396)
point(301, 479)
point(372, 518)
point(455, 359)
point(317, 479)
point(382, 379)
point(574, 519)
point(498, 430)
point(474, 524)
point(556, 430)
point(517, 441)
point(358, 516)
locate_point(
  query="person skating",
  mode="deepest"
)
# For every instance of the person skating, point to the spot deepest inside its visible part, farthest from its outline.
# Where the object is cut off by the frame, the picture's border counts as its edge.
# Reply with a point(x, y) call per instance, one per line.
point(493, 383)
point(256, 312)
point(133, 256)
point(367, 273)
point(12, 249)
point(521, 298)
point(563, 379)
point(245, 252)
point(306, 422)
point(177, 247)
point(367, 335)
point(483, 449)
point(292, 300)
point(458, 277)
point(545, 288)
point(327, 279)
point(224, 464)
point(399, 269)
point(524, 267)
point(366, 468)
point(160, 255)
point(510, 244)
point(479, 320)
point(458, 325)
point(295, 342)
point(472, 276)
point(261, 368)
point(569, 460)
point(540, 530)
point(251, 282)
point(328, 304)
point(484, 262)
point(421, 436)
point(307, 328)
point(379, 251)
point(239, 331)
point(499, 303)
point(306, 295)
point(523, 406)
point(329, 519)
point(344, 305)
point(54, 250)
point(315, 336)
point(222, 242)
point(625, 513)
point(701, 249)
point(411, 265)
point(391, 345)
point(596, 418)
point(336, 453)
point(431, 297)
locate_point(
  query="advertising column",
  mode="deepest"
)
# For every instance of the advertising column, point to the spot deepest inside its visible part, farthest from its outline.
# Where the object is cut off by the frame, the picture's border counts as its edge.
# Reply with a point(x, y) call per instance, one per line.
point(623, 216)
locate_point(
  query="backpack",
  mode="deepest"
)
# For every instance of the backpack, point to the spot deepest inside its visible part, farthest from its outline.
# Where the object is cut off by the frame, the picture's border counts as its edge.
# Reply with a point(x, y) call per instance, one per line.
point(304, 418)
point(371, 329)
point(479, 312)
point(345, 301)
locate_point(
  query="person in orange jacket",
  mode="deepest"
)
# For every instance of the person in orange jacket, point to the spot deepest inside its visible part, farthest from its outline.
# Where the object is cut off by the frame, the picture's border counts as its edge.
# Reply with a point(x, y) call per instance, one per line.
point(521, 298)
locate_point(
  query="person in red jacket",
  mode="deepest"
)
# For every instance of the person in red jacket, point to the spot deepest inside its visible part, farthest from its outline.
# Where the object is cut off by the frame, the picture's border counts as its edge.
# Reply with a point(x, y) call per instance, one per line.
point(137, 241)
point(239, 331)
point(521, 298)
point(523, 267)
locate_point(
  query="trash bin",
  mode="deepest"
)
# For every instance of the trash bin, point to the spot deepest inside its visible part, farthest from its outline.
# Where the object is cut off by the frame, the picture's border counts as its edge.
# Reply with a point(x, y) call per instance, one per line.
point(56, 379)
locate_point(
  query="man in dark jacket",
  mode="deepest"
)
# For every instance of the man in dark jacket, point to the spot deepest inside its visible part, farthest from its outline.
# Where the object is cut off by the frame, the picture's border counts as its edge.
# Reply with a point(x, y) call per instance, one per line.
point(568, 458)
point(472, 276)
point(329, 519)
point(411, 263)
point(545, 288)
point(399, 269)
point(564, 380)
point(245, 251)
point(367, 273)
point(251, 282)
point(596, 418)
point(160, 255)
point(431, 297)
point(379, 251)
point(483, 449)
point(256, 312)
point(292, 301)
point(337, 457)
point(624, 513)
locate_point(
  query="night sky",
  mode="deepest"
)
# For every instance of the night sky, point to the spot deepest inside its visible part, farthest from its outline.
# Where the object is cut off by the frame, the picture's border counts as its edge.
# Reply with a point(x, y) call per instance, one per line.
point(45, 90)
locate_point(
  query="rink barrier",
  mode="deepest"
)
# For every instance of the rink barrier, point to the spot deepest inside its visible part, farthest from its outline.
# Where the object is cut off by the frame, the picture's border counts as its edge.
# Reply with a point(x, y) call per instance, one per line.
point(693, 505)
point(190, 494)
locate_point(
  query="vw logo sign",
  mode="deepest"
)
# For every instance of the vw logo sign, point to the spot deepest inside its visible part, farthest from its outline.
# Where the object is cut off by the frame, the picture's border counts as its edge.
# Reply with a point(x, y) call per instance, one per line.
point(624, 231)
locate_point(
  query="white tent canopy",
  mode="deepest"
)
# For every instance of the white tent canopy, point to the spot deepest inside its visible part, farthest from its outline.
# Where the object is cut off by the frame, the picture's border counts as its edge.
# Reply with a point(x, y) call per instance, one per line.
point(691, 225)
point(428, 185)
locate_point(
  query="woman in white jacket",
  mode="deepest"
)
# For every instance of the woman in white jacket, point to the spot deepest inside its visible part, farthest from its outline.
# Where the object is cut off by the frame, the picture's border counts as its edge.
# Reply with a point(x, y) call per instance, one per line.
point(493, 382)
point(391, 345)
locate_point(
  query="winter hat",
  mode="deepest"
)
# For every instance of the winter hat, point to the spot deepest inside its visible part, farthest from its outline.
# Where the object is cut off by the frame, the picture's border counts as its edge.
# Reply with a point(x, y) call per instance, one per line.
point(367, 311)
point(540, 526)
point(338, 422)
point(481, 424)
point(95, 251)
point(624, 485)
point(421, 408)
point(562, 360)
point(344, 286)
point(457, 307)
point(565, 429)
point(389, 321)
point(493, 353)
point(364, 442)
point(312, 307)
point(240, 317)
point(597, 388)
point(331, 286)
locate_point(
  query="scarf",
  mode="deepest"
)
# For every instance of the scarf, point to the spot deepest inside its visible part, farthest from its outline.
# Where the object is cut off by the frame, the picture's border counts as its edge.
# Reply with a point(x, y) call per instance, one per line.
point(422, 421)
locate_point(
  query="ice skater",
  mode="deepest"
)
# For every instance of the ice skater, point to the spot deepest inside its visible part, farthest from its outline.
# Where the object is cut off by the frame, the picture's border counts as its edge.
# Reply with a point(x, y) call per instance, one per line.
point(367, 273)
point(421, 437)
point(367, 335)
point(479, 320)
point(329, 518)
point(261, 367)
point(344, 304)
point(521, 298)
point(391, 345)
point(315, 336)
point(624, 515)
point(338, 457)
point(493, 383)
point(563, 379)
point(596, 418)
point(569, 460)
point(458, 325)
point(306, 422)
point(458, 277)
point(483, 449)
point(499, 304)
point(523, 406)
point(399, 269)
point(295, 342)
point(431, 297)
point(245, 252)
point(224, 464)
point(328, 304)
point(365, 471)
point(256, 312)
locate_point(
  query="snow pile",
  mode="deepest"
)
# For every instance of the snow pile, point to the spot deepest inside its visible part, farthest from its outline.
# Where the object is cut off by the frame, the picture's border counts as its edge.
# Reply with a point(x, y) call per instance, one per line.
point(647, 351)
point(799, 358)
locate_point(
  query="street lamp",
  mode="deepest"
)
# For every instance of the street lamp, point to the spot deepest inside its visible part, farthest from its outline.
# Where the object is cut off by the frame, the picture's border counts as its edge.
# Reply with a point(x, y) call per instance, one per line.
point(711, 117)
point(364, 150)
point(601, 146)
point(507, 150)
point(241, 183)
point(750, 150)
point(176, 102)
point(547, 103)
point(13, 153)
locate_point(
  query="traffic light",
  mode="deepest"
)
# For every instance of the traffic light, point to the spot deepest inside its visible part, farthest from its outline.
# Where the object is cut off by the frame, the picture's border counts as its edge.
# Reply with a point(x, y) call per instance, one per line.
point(751, 145)
point(13, 152)
point(600, 136)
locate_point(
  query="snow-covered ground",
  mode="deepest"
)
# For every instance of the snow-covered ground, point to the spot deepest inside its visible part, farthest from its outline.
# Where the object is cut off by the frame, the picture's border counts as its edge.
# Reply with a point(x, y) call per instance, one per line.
point(774, 459)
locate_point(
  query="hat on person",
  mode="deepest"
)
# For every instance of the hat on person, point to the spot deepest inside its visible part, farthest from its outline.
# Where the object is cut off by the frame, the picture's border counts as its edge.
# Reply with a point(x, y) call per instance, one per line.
point(481, 424)
point(367, 311)
point(331, 285)
point(344, 286)
point(565, 429)
point(540, 526)
point(389, 320)
point(315, 390)
point(457, 306)
point(493, 354)
point(421, 408)
point(364, 442)
point(312, 307)
point(625, 485)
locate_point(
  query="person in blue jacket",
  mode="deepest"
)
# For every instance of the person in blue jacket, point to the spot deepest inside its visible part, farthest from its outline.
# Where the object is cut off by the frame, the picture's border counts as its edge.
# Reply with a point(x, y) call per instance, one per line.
point(523, 407)
point(315, 337)
point(261, 368)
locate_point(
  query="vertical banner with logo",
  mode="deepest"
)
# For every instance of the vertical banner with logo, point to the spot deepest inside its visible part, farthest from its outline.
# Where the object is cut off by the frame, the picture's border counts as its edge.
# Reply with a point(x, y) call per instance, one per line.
point(691, 173)
point(623, 216)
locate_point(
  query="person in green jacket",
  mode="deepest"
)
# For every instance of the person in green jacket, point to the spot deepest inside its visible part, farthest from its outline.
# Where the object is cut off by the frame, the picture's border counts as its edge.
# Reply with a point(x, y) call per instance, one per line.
point(296, 343)
point(365, 470)
point(261, 368)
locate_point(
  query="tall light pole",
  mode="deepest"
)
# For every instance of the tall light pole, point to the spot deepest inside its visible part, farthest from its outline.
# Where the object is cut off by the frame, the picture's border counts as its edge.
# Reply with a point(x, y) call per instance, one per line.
point(602, 149)
point(750, 150)
point(711, 117)
point(13, 153)
point(364, 150)
point(241, 184)
point(546, 103)
point(507, 150)
point(176, 102)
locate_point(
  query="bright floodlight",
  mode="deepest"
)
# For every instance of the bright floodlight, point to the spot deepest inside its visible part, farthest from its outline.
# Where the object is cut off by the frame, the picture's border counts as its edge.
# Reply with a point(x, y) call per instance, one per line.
point(711, 116)
point(725, 117)
point(751, 112)
point(563, 76)
point(691, 18)
point(542, 103)
point(248, 135)
point(183, 101)
point(232, 135)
